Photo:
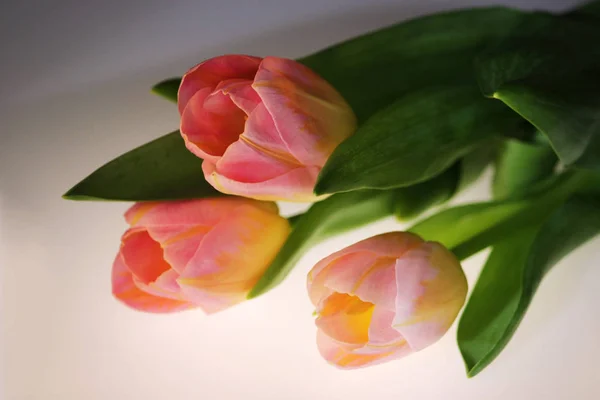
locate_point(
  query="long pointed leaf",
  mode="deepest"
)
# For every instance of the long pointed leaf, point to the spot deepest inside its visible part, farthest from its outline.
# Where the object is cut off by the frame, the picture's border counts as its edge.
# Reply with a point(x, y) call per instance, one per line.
point(163, 169)
point(415, 139)
point(512, 274)
point(167, 89)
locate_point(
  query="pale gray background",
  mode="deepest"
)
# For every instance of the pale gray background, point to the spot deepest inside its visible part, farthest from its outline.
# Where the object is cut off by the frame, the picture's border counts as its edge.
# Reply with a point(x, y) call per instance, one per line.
point(74, 92)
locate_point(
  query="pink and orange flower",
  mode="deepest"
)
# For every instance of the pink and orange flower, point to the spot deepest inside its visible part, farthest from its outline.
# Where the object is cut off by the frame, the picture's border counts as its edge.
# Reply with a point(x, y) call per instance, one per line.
point(263, 126)
point(384, 298)
point(204, 253)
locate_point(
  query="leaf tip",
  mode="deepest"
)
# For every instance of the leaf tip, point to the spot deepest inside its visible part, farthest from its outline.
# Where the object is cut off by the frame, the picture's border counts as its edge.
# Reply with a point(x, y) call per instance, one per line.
point(167, 89)
point(77, 193)
point(254, 292)
point(71, 194)
point(326, 185)
point(320, 188)
point(474, 370)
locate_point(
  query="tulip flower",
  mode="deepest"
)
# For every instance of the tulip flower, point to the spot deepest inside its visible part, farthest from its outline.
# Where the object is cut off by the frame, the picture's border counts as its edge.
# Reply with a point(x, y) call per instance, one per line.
point(263, 126)
point(384, 298)
point(204, 253)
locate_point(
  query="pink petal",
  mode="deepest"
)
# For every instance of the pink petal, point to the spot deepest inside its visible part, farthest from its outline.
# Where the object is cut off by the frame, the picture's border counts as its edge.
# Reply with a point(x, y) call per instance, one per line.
point(126, 291)
point(261, 133)
point(241, 93)
point(180, 226)
point(343, 270)
point(165, 286)
point(232, 256)
point(391, 244)
point(189, 213)
point(431, 290)
point(339, 275)
point(295, 185)
point(211, 302)
point(245, 163)
point(381, 330)
point(168, 282)
point(209, 73)
point(310, 115)
point(210, 123)
point(179, 242)
point(228, 249)
point(142, 255)
point(349, 357)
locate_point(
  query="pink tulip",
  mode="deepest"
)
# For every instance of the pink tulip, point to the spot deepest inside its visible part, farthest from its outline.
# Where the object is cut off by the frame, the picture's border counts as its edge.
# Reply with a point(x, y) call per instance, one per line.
point(264, 127)
point(384, 298)
point(204, 253)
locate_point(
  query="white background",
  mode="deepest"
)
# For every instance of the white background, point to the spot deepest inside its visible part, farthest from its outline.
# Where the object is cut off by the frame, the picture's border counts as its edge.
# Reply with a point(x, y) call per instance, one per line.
point(75, 79)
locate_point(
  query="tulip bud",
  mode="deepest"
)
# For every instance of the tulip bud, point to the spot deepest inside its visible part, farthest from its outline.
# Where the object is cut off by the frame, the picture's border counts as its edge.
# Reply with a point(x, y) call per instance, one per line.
point(204, 253)
point(384, 298)
point(264, 127)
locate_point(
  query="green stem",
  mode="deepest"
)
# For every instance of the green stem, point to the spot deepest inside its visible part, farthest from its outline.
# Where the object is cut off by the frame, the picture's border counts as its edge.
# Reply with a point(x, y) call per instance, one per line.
point(534, 211)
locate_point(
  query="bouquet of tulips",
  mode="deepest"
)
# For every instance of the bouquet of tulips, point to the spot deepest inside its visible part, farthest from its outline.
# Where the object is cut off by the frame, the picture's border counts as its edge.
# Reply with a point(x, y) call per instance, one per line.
point(394, 122)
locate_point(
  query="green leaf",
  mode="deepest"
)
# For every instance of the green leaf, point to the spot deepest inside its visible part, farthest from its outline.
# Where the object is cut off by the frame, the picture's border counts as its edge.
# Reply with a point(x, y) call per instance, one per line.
point(167, 89)
point(569, 115)
point(373, 70)
point(513, 273)
point(414, 139)
point(471, 228)
point(474, 164)
point(549, 73)
point(334, 215)
point(412, 201)
point(163, 169)
point(495, 297)
point(520, 165)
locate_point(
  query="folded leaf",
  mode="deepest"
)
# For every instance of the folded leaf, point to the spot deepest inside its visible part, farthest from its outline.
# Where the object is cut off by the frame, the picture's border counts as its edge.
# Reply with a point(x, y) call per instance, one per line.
point(549, 73)
point(163, 169)
point(520, 165)
point(569, 115)
point(415, 139)
point(512, 274)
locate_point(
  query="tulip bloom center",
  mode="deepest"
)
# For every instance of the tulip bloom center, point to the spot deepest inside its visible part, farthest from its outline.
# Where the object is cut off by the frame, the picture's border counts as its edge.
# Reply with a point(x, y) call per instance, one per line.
point(350, 315)
point(144, 256)
point(223, 123)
